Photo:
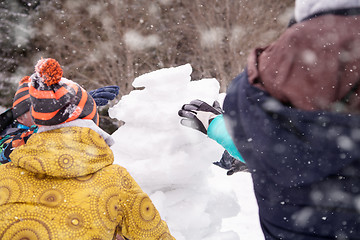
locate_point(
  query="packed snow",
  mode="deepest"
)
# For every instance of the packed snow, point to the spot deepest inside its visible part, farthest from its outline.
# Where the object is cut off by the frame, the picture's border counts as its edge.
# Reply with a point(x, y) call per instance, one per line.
point(173, 163)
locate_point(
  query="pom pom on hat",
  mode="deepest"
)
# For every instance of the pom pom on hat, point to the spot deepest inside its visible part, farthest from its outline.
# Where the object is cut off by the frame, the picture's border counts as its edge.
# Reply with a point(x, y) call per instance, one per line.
point(49, 70)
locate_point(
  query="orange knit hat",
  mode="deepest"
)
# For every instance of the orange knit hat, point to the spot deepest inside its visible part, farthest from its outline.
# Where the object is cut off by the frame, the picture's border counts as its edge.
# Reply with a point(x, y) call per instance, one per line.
point(21, 103)
point(56, 100)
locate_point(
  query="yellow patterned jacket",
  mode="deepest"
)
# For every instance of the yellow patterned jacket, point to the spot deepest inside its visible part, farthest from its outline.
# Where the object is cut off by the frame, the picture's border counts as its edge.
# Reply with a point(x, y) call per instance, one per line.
point(62, 185)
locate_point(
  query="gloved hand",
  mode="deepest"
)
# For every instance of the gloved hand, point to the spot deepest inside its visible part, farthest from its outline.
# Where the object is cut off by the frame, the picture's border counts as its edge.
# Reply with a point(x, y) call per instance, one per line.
point(237, 166)
point(231, 164)
point(198, 114)
point(104, 94)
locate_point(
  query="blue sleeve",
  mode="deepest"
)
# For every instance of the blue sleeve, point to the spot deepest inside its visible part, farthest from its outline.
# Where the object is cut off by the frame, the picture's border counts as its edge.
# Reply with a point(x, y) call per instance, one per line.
point(217, 131)
point(4, 149)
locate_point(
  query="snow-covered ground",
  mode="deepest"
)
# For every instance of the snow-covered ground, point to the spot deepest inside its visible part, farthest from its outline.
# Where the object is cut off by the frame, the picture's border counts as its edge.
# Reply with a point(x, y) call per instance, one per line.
point(245, 223)
point(173, 164)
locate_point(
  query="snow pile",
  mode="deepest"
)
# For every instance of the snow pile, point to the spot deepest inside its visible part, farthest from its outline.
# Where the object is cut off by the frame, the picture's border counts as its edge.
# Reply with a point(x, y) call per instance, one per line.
point(173, 163)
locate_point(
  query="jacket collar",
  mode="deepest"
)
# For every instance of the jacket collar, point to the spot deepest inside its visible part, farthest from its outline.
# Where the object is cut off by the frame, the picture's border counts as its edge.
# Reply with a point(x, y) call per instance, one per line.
point(81, 123)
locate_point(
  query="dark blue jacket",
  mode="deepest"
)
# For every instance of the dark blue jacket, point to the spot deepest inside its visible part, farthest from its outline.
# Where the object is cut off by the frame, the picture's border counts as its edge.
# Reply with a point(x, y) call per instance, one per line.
point(305, 165)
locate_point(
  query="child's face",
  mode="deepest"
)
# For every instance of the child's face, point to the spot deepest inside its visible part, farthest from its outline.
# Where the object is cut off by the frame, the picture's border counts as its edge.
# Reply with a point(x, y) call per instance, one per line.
point(26, 119)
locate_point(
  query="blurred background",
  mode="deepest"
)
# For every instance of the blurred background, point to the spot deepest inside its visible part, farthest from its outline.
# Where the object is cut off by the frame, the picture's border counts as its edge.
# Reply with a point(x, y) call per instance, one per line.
point(110, 42)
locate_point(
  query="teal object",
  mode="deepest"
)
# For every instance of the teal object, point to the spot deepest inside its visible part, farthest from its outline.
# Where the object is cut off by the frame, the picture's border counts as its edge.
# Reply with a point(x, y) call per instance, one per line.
point(218, 132)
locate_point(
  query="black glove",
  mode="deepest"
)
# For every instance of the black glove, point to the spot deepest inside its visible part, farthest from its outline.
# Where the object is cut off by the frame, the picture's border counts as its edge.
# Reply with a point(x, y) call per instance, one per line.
point(104, 94)
point(198, 114)
point(232, 164)
point(6, 118)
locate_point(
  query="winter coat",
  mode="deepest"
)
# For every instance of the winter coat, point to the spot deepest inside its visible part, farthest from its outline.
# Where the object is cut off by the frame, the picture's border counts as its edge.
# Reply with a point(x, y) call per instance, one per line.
point(62, 185)
point(304, 155)
point(14, 136)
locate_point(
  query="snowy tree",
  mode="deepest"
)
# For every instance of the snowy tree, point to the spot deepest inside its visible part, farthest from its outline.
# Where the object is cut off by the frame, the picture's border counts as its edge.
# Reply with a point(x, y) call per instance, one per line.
point(112, 42)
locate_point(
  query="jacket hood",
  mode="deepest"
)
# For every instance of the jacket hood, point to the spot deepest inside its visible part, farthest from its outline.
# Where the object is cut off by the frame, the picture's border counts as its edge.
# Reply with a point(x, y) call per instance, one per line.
point(306, 8)
point(64, 152)
point(313, 65)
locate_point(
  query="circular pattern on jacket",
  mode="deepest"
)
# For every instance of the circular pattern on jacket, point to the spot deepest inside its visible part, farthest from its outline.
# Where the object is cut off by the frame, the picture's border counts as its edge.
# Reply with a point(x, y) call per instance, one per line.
point(27, 229)
point(33, 164)
point(76, 222)
point(106, 206)
point(10, 189)
point(147, 209)
point(112, 207)
point(126, 183)
point(146, 218)
point(65, 161)
point(51, 198)
point(26, 234)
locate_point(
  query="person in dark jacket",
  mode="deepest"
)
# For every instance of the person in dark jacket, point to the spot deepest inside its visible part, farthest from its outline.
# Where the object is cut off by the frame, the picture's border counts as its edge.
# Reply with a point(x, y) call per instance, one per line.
point(293, 114)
